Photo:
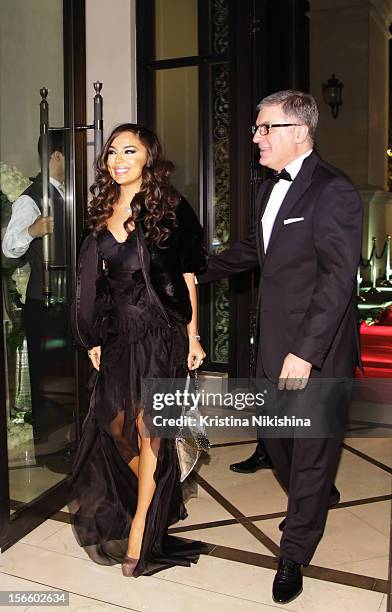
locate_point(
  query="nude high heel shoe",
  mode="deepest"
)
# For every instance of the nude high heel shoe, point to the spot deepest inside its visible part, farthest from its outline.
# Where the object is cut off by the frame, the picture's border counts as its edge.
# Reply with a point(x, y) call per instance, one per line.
point(128, 566)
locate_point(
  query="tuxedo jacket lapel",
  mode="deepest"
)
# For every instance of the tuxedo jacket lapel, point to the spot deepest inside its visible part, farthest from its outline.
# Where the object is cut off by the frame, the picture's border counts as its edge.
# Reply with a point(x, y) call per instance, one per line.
point(301, 183)
point(264, 195)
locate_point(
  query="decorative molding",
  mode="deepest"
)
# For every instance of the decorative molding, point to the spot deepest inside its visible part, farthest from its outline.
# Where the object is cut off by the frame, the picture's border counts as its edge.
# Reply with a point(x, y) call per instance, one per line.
point(220, 321)
point(220, 27)
point(221, 204)
point(220, 144)
point(379, 10)
point(376, 197)
point(382, 24)
point(383, 10)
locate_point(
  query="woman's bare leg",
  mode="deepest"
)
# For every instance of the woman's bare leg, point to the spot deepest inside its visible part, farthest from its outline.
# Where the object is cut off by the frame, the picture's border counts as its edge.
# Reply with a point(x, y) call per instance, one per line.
point(134, 465)
point(146, 466)
point(134, 462)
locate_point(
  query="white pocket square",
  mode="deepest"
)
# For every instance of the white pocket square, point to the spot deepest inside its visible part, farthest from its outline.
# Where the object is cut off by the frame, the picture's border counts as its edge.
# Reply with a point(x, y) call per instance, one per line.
point(293, 220)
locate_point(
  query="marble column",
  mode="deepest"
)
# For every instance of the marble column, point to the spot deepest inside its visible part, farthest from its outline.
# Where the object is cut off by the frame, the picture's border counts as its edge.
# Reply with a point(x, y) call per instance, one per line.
point(351, 39)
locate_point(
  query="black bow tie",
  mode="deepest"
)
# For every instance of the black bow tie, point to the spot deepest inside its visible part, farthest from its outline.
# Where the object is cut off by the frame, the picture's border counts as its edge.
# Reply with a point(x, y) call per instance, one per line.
point(283, 174)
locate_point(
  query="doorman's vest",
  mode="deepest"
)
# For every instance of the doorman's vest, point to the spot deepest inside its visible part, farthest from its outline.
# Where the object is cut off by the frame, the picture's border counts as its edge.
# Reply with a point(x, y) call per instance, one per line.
point(58, 245)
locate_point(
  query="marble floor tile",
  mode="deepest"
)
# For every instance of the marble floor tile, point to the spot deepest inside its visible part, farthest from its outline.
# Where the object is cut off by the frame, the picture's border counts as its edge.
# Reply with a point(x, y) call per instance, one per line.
point(346, 540)
point(234, 536)
point(240, 580)
point(355, 540)
point(377, 515)
point(258, 493)
point(213, 584)
point(376, 567)
point(63, 541)
point(270, 528)
point(359, 479)
point(253, 494)
point(82, 604)
point(383, 605)
point(40, 533)
point(210, 602)
point(77, 603)
point(203, 508)
point(13, 583)
point(377, 448)
point(108, 585)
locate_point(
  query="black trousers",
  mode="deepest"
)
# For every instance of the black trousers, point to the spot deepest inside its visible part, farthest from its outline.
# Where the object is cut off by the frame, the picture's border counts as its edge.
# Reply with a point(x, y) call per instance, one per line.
point(307, 469)
point(40, 325)
point(307, 466)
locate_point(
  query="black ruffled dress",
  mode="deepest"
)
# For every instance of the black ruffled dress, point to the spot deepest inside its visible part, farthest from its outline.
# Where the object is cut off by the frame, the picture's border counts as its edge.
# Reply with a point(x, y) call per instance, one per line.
point(139, 339)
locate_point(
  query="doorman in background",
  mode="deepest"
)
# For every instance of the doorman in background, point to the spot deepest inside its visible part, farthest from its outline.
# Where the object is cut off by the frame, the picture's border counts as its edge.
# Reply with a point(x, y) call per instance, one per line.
point(23, 239)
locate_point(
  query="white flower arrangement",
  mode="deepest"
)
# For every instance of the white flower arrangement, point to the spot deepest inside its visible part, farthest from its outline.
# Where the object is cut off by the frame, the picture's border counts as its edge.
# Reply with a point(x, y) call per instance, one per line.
point(12, 181)
point(17, 434)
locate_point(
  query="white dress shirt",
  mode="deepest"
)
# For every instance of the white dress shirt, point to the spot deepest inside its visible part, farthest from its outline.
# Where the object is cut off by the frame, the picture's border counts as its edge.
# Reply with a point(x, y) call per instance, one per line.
point(277, 196)
point(25, 211)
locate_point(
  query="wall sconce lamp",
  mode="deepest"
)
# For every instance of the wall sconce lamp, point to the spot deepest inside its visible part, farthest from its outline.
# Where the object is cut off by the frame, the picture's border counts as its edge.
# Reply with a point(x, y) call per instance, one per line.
point(332, 94)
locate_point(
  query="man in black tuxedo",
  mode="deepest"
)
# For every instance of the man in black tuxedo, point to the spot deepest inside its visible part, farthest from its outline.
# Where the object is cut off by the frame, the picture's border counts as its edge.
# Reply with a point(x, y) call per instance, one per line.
point(306, 240)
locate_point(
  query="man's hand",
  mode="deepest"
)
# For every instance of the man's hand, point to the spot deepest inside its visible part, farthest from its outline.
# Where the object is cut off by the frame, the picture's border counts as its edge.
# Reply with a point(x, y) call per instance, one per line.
point(295, 373)
point(41, 227)
point(95, 356)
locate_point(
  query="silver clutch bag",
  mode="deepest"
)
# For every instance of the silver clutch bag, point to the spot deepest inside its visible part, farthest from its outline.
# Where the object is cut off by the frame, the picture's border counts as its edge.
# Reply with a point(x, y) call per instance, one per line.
point(190, 441)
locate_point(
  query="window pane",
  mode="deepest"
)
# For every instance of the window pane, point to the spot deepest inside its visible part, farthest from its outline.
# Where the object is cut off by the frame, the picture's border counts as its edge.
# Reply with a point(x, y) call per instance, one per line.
point(175, 28)
point(177, 123)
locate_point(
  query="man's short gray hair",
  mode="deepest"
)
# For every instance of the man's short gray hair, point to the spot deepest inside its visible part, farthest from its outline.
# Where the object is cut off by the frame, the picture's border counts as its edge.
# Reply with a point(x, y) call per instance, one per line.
point(296, 104)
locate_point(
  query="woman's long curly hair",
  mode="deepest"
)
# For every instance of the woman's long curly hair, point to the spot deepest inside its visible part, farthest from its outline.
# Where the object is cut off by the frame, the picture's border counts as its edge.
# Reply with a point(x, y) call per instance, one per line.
point(157, 198)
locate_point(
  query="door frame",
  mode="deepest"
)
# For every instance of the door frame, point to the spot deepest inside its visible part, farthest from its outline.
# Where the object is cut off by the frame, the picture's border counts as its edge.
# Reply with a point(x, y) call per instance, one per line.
point(240, 150)
point(30, 515)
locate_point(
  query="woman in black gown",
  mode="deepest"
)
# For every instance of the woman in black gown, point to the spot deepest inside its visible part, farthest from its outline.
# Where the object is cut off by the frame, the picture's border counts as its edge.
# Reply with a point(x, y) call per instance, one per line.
point(135, 312)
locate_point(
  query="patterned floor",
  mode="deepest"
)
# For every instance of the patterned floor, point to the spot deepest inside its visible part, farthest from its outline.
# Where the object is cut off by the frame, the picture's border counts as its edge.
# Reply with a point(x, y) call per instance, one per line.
point(238, 516)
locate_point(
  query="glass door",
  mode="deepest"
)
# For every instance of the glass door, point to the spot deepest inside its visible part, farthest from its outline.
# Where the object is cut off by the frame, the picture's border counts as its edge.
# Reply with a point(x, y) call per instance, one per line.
point(38, 395)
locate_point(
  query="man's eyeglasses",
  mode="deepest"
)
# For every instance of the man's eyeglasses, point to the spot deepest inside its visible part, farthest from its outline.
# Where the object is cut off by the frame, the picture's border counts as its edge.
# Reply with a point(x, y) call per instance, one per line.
point(264, 128)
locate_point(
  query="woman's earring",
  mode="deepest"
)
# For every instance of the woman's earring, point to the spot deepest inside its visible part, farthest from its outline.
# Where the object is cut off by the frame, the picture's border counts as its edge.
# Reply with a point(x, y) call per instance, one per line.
point(112, 182)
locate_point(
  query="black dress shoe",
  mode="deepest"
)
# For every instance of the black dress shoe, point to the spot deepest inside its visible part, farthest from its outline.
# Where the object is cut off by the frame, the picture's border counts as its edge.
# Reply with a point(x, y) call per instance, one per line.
point(334, 498)
point(254, 463)
point(288, 581)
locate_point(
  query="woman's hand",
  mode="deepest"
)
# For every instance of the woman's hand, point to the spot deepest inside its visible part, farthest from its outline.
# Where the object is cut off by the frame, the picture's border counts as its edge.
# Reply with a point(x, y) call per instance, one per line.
point(196, 354)
point(95, 356)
